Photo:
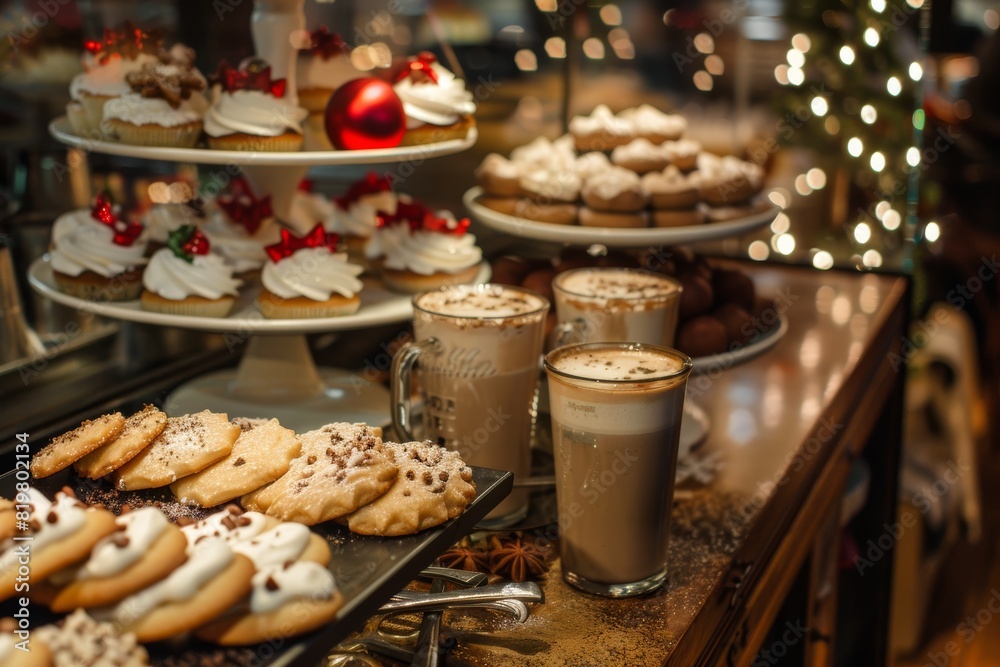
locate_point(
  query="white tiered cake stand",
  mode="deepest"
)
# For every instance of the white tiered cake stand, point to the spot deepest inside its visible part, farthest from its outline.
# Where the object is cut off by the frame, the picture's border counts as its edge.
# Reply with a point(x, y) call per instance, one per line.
point(276, 376)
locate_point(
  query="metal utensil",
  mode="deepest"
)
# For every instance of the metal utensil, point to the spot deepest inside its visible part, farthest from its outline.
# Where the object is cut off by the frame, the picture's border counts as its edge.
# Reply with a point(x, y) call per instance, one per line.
point(416, 601)
point(428, 649)
point(453, 576)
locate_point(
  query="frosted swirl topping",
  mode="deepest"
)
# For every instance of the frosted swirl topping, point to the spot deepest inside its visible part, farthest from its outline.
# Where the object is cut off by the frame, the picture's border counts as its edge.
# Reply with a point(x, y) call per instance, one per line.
point(638, 149)
point(113, 554)
point(313, 273)
point(309, 208)
point(615, 284)
point(251, 112)
point(361, 216)
point(171, 277)
point(614, 364)
point(729, 167)
point(499, 166)
point(206, 560)
point(241, 250)
point(161, 219)
point(670, 181)
point(559, 185)
point(276, 586)
point(108, 78)
point(646, 119)
point(88, 245)
point(285, 542)
point(138, 110)
point(681, 148)
point(481, 302)
point(589, 164)
point(543, 153)
point(442, 103)
point(426, 252)
point(52, 521)
point(600, 121)
point(613, 182)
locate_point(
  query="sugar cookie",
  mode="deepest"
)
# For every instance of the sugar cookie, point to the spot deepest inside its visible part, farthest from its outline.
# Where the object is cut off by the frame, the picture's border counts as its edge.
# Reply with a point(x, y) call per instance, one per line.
point(69, 447)
point(139, 431)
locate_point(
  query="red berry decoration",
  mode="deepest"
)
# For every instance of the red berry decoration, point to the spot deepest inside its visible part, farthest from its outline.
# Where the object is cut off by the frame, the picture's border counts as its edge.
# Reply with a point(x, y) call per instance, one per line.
point(365, 113)
point(187, 241)
point(125, 231)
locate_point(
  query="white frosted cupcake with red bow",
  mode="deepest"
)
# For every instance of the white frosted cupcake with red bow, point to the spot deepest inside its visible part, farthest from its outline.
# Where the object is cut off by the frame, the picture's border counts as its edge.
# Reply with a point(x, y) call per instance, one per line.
point(358, 211)
point(307, 278)
point(437, 105)
point(241, 226)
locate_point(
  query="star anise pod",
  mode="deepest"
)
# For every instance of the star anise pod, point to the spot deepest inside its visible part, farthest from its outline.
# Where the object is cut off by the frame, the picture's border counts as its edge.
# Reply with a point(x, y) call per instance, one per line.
point(464, 556)
point(173, 84)
point(517, 559)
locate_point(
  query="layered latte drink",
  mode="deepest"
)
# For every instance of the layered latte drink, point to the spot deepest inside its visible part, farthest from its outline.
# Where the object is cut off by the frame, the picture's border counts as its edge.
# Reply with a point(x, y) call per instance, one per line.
point(477, 352)
point(615, 305)
point(616, 420)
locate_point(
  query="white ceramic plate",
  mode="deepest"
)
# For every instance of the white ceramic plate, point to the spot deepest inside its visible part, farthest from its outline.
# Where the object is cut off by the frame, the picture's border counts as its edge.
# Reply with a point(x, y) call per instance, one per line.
point(61, 130)
point(378, 306)
point(612, 237)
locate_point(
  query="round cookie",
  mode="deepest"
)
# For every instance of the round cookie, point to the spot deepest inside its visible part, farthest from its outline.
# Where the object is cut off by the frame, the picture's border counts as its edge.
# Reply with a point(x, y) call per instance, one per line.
point(342, 467)
point(614, 189)
point(678, 218)
point(69, 447)
point(499, 176)
point(546, 186)
point(186, 445)
point(591, 218)
point(640, 156)
point(683, 154)
point(212, 580)
point(261, 454)
point(671, 189)
point(286, 600)
point(262, 539)
point(433, 486)
point(145, 549)
point(554, 214)
point(138, 432)
point(505, 205)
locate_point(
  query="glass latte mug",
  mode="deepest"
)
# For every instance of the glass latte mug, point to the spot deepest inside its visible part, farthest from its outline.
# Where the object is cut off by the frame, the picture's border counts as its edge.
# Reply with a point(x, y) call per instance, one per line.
point(615, 305)
point(616, 421)
point(477, 351)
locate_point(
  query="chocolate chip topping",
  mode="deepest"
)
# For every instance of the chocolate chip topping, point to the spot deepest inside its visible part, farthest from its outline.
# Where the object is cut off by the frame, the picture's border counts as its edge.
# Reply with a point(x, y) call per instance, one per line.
point(120, 540)
point(271, 584)
point(51, 517)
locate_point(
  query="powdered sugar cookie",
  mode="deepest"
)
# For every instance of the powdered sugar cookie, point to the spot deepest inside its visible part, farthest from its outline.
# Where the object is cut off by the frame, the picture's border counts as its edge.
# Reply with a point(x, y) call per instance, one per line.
point(342, 467)
point(69, 447)
point(433, 485)
point(144, 549)
point(261, 454)
point(286, 600)
point(186, 445)
point(139, 430)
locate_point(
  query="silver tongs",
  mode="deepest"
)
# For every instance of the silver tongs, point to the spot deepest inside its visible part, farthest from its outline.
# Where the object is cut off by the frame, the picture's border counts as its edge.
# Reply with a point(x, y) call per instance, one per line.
point(488, 596)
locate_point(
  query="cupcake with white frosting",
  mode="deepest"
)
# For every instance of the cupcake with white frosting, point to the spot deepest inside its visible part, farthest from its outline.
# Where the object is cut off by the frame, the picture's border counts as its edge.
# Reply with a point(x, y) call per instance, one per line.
point(240, 227)
point(436, 103)
point(309, 208)
point(426, 253)
point(308, 278)
point(98, 256)
point(322, 66)
point(165, 105)
point(252, 112)
point(106, 64)
point(185, 278)
point(358, 210)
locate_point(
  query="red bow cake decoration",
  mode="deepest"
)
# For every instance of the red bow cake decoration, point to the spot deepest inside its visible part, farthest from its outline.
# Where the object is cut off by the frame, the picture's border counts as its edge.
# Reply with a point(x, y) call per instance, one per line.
point(411, 213)
point(420, 68)
point(129, 42)
point(289, 244)
point(326, 44)
point(244, 208)
point(125, 231)
point(447, 225)
point(187, 241)
point(371, 184)
point(252, 74)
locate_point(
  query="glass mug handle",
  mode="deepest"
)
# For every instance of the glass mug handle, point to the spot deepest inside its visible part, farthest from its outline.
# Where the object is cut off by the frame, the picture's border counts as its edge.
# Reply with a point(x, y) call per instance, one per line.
point(569, 333)
point(402, 365)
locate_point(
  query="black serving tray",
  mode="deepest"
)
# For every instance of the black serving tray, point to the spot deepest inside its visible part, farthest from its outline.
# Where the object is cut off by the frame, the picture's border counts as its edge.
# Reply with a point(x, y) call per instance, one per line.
point(368, 571)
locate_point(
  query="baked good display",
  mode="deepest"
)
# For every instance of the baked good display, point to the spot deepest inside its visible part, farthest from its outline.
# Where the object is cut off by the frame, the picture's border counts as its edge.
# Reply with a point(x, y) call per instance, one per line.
point(357, 212)
point(261, 454)
point(437, 105)
point(340, 468)
point(674, 197)
point(641, 156)
point(165, 106)
point(309, 208)
point(98, 256)
point(173, 206)
point(137, 432)
point(67, 448)
point(432, 486)
point(250, 111)
point(106, 63)
point(727, 181)
point(421, 250)
point(614, 198)
point(322, 66)
point(186, 278)
point(186, 445)
point(80, 641)
point(240, 226)
point(600, 131)
point(308, 278)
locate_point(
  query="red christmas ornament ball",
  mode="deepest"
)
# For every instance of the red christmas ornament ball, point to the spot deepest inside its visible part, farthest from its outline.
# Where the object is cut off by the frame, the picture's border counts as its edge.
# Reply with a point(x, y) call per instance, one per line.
point(365, 113)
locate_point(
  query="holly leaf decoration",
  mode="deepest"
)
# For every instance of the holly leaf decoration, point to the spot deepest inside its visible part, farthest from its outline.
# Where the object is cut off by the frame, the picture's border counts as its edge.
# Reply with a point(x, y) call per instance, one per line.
point(187, 241)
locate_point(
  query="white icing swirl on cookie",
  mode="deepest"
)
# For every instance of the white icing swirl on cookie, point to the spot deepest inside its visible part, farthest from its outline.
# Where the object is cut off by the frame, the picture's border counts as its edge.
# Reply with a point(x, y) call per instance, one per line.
point(646, 119)
point(274, 587)
point(638, 149)
point(589, 164)
point(541, 152)
point(171, 277)
point(497, 165)
point(252, 112)
point(237, 528)
point(613, 182)
point(285, 542)
point(207, 559)
point(314, 273)
point(669, 181)
point(442, 103)
point(601, 121)
point(112, 555)
point(54, 520)
point(558, 185)
point(90, 246)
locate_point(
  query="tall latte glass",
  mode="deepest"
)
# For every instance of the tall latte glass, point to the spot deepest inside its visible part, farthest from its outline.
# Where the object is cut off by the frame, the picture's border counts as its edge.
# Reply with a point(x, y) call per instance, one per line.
point(616, 419)
point(615, 305)
point(477, 351)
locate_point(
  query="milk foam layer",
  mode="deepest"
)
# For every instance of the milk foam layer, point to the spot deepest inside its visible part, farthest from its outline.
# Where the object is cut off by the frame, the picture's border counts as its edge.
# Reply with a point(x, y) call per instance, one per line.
point(478, 302)
point(615, 284)
point(616, 365)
